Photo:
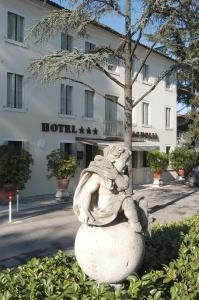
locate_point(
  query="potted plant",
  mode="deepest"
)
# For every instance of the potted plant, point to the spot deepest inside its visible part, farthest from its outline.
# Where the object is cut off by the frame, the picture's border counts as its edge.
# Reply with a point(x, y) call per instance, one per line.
point(182, 160)
point(14, 168)
point(62, 168)
point(158, 162)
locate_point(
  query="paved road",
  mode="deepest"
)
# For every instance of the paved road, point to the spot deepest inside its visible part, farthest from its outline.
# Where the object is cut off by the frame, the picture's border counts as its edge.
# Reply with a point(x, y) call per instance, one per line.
point(42, 230)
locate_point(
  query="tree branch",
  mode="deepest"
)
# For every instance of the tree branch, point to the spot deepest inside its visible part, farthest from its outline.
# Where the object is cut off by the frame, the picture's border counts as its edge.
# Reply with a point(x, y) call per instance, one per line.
point(169, 70)
point(148, 52)
point(110, 76)
point(90, 87)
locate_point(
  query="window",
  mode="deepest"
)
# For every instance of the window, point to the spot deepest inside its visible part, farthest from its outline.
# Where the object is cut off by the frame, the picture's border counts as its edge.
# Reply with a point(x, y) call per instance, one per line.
point(14, 91)
point(68, 149)
point(143, 159)
point(66, 99)
point(168, 81)
point(111, 108)
point(112, 64)
point(145, 113)
point(89, 95)
point(145, 73)
point(89, 46)
point(17, 144)
point(15, 27)
point(134, 65)
point(168, 117)
point(168, 148)
point(66, 42)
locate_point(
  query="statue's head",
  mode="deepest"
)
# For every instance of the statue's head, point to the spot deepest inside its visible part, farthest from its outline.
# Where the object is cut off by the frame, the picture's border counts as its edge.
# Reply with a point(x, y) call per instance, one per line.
point(118, 155)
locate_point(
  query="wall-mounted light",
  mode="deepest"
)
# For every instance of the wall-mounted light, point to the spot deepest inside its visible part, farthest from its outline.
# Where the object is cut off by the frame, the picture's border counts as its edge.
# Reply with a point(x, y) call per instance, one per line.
point(41, 143)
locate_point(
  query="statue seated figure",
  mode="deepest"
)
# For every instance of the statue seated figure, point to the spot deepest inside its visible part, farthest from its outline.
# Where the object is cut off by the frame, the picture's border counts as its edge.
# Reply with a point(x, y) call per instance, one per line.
point(101, 196)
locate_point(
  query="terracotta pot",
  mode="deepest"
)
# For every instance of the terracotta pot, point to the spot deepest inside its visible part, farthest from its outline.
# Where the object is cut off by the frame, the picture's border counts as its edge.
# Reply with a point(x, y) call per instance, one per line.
point(181, 172)
point(157, 175)
point(62, 183)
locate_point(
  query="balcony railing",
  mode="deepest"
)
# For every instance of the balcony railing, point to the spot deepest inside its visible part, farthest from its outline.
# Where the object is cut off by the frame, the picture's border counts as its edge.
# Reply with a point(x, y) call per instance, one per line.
point(113, 128)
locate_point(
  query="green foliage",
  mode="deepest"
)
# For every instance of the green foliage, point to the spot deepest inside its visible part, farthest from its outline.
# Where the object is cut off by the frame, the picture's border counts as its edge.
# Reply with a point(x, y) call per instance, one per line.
point(183, 158)
point(158, 161)
point(170, 272)
point(59, 166)
point(14, 166)
point(193, 115)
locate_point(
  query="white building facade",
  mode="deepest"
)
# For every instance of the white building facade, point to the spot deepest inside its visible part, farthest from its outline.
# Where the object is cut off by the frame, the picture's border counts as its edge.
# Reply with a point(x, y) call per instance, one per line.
point(69, 115)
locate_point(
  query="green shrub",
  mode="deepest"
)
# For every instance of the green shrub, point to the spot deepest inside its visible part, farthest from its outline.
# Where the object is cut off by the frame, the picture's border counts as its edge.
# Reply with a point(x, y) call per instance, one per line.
point(14, 166)
point(183, 158)
point(170, 272)
point(59, 166)
point(158, 161)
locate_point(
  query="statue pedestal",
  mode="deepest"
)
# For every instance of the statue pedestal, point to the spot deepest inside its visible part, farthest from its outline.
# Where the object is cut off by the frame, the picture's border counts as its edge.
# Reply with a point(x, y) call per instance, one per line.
point(109, 253)
point(61, 194)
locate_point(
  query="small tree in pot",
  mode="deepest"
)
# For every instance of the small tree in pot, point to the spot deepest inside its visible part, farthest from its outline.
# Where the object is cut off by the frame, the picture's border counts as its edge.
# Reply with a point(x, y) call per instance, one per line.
point(158, 162)
point(182, 160)
point(61, 168)
point(14, 168)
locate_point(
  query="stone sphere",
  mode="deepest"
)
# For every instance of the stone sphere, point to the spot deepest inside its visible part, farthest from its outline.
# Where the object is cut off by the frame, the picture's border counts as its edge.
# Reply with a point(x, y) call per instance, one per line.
point(109, 253)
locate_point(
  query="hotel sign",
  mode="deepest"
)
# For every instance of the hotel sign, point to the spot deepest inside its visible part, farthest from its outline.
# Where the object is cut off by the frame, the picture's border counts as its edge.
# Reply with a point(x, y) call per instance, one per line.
point(145, 135)
point(63, 128)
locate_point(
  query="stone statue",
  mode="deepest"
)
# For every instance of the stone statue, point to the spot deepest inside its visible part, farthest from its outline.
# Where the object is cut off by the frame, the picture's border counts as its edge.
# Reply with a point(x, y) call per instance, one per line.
point(102, 204)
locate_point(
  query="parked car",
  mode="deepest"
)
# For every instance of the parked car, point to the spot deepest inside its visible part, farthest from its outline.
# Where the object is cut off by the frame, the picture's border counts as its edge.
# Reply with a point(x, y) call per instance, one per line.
point(193, 177)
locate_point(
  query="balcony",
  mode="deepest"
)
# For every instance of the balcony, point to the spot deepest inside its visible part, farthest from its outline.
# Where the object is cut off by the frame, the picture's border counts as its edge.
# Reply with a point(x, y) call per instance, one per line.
point(113, 128)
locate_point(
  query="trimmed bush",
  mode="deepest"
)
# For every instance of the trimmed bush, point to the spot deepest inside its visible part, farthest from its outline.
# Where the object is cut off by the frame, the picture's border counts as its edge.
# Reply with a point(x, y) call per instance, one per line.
point(183, 158)
point(14, 166)
point(59, 166)
point(170, 271)
point(158, 161)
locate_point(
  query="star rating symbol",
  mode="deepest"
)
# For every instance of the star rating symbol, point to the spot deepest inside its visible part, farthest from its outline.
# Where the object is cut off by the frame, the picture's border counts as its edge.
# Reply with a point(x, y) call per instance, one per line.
point(81, 130)
point(95, 131)
point(88, 130)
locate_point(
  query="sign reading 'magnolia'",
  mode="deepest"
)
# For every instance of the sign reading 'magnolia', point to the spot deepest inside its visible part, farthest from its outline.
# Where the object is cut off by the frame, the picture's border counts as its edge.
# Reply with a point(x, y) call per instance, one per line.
point(63, 128)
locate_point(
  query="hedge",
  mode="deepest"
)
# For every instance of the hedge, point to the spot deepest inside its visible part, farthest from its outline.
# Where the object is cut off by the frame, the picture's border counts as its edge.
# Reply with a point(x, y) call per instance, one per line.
point(170, 271)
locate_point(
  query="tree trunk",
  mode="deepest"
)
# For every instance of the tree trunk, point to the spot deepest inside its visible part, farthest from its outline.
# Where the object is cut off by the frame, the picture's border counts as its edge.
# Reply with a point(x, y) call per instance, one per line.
point(128, 92)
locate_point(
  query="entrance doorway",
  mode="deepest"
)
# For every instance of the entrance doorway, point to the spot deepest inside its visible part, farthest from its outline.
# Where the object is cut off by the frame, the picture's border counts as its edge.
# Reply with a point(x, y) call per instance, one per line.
point(91, 151)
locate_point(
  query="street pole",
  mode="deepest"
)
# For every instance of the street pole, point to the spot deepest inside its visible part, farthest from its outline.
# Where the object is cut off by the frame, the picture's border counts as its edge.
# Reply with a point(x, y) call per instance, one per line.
point(17, 200)
point(10, 211)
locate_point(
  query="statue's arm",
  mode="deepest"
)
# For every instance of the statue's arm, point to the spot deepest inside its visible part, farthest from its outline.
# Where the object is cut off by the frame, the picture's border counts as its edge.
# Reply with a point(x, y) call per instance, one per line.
point(91, 186)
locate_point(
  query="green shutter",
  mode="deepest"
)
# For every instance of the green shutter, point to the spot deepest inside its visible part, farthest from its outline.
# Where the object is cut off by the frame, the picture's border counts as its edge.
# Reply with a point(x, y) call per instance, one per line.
point(19, 91)
point(68, 100)
point(63, 99)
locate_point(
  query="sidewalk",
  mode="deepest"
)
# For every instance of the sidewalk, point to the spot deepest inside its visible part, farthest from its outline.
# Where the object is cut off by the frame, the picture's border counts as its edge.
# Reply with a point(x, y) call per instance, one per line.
point(34, 202)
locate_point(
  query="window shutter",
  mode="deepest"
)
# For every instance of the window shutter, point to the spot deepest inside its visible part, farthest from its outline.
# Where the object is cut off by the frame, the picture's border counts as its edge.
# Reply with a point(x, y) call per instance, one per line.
point(10, 89)
point(63, 41)
point(90, 104)
point(63, 99)
point(26, 145)
point(111, 108)
point(68, 100)
point(20, 29)
point(11, 26)
point(87, 47)
point(74, 149)
point(62, 147)
point(69, 43)
point(19, 91)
